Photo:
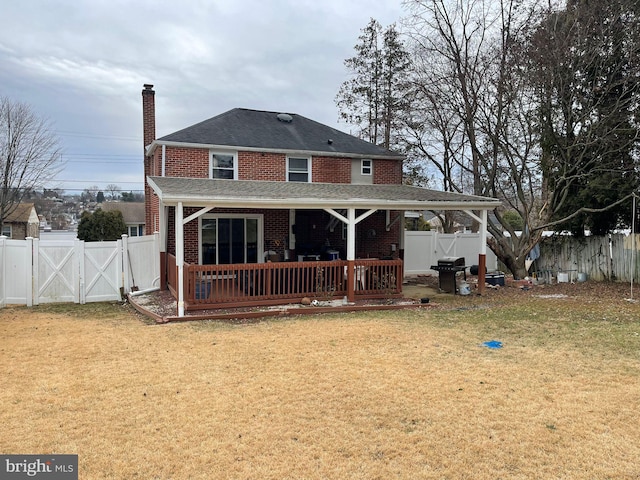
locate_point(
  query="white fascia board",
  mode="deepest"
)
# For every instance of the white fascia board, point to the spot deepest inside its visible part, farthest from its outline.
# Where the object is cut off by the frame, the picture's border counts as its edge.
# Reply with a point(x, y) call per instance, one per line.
point(321, 204)
point(155, 188)
point(156, 143)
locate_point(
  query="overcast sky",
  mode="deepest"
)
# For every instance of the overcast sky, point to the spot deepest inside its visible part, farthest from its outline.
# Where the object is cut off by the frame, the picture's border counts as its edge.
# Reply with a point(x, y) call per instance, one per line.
point(82, 65)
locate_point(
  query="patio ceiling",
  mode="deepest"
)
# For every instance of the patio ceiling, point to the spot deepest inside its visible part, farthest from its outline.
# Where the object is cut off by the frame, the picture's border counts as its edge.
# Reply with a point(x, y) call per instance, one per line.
point(261, 194)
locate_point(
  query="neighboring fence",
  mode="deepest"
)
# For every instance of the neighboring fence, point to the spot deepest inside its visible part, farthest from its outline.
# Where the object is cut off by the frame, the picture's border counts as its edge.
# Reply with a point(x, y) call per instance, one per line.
point(612, 257)
point(423, 249)
point(35, 271)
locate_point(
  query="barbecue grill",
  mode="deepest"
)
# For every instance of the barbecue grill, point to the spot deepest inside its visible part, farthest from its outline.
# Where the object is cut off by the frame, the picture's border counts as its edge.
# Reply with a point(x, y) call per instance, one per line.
point(448, 268)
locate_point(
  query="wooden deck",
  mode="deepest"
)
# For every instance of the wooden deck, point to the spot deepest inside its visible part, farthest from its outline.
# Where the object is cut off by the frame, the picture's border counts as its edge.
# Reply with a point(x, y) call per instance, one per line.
point(256, 284)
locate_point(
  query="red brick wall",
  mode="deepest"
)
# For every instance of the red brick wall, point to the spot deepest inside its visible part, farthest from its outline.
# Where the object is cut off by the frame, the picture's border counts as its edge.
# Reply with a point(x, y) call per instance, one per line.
point(262, 166)
point(190, 235)
point(331, 170)
point(276, 231)
point(378, 245)
point(387, 171)
point(194, 162)
point(152, 167)
point(187, 162)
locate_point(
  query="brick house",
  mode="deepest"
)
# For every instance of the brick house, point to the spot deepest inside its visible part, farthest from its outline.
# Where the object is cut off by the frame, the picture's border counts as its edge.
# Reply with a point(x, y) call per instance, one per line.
point(244, 199)
point(22, 222)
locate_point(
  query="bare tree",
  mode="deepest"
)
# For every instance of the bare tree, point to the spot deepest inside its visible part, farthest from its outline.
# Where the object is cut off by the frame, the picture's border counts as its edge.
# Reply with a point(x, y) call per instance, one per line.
point(463, 53)
point(29, 154)
point(113, 191)
point(522, 121)
point(89, 194)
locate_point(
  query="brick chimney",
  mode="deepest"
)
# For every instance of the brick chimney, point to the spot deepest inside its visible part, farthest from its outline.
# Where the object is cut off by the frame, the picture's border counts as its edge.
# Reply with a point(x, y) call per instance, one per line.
point(148, 114)
point(151, 208)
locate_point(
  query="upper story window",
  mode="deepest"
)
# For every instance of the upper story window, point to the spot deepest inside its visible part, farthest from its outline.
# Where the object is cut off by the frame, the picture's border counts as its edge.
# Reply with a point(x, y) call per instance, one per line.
point(366, 167)
point(223, 165)
point(298, 169)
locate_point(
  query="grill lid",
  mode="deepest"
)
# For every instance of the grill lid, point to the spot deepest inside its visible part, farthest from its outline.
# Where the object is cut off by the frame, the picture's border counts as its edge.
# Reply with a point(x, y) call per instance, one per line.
point(452, 261)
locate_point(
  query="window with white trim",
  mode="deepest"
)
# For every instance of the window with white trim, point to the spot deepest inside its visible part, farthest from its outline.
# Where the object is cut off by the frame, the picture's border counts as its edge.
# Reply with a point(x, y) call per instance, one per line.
point(366, 167)
point(298, 169)
point(133, 230)
point(6, 231)
point(223, 165)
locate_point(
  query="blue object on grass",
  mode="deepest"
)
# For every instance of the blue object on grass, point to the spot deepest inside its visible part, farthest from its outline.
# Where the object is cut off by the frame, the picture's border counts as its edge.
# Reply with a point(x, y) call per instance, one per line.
point(493, 344)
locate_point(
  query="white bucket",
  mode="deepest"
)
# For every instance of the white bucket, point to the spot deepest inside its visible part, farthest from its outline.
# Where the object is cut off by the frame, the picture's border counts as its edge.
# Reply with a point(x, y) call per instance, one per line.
point(563, 277)
point(582, 277)
point(465, 289)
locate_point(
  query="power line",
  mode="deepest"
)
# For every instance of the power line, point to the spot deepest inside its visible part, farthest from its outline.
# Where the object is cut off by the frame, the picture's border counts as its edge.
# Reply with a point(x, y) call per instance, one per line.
point(93, 154)
point(93, 190)
point(61, 180)
point(100, 162)
point(90, 135)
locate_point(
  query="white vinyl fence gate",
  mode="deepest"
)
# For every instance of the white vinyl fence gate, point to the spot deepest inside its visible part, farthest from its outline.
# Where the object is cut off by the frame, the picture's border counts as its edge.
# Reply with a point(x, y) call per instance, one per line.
point(34, 271)
point(424, 248)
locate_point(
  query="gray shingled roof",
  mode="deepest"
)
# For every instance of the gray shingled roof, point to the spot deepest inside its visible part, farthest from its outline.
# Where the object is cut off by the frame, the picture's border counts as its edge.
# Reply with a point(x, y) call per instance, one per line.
point(132, 212)
point(20, 214)
point(247, 193)
point(258, 129)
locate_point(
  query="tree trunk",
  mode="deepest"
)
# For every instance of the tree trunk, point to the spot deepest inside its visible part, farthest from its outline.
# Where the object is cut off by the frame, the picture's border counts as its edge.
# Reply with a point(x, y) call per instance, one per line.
point(507, 256)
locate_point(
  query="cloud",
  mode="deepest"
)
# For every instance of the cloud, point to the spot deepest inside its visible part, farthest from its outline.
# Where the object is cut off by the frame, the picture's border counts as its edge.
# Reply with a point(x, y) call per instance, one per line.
point(82, 63)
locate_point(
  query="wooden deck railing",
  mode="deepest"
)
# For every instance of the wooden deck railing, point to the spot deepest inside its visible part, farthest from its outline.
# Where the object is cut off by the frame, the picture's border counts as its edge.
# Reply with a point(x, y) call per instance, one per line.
point(219, 286)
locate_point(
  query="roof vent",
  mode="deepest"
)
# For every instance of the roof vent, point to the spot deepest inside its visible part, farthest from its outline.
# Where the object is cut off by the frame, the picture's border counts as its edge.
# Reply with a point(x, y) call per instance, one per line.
point(285, 117)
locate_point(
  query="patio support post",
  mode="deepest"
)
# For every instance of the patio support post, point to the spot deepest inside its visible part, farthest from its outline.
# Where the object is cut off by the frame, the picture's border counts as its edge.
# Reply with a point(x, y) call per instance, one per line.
point(351, 254)
point(482, 257)
point(351, 222)
point(164, 232)
point(180, 257)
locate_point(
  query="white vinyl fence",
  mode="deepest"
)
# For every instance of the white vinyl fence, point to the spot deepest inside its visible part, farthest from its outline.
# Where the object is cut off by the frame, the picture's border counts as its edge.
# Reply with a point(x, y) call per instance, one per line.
point(34, 271)
point(423, 249)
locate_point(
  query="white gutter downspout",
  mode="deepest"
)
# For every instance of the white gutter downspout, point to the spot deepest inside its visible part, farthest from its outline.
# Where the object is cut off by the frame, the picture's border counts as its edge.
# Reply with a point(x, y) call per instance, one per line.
point(164, 158)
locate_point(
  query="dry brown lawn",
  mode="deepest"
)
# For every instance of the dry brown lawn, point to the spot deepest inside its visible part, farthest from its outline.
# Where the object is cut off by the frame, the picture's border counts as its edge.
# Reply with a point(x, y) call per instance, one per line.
point(382, 395)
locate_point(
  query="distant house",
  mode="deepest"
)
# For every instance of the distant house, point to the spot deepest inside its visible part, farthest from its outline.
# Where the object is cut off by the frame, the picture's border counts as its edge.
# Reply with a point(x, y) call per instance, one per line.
point(133, 214)
point(22, 222)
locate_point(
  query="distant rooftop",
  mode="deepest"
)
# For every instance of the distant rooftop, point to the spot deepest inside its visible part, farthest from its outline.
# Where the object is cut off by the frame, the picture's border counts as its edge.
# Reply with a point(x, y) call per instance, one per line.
point(132, 212)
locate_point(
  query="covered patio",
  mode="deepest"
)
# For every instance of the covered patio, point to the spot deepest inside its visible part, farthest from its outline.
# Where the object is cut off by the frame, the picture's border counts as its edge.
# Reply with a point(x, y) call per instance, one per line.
point(262, 279)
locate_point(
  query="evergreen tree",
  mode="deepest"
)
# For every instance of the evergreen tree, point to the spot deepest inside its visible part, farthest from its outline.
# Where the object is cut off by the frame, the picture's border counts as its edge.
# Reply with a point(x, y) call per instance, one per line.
point(101, 226)
point(590, 85)
point(374, 97)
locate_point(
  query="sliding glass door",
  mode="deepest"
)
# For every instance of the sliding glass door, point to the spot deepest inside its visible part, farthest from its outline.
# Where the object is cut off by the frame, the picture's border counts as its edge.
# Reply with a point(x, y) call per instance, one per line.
point(226, 239)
